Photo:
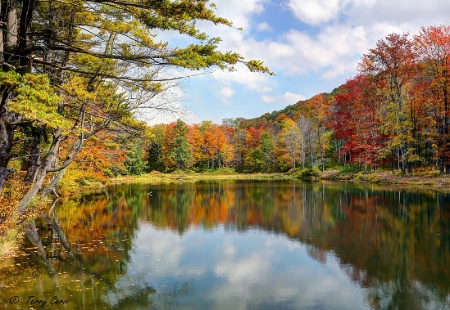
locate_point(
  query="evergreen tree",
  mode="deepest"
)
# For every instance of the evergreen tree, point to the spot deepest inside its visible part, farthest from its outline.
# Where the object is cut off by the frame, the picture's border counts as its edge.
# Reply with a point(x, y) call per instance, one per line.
point(180, 148)
point(135, 163)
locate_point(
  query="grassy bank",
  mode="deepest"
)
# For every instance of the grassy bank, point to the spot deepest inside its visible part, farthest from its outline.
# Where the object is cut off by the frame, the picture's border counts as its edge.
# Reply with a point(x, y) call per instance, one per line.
point(380, 177)
point(421, 178)
point(157, 178)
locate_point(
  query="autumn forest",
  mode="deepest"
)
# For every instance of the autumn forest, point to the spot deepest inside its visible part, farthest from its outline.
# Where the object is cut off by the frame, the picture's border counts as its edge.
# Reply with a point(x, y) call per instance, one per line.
point(101, 208)
point(395, 114)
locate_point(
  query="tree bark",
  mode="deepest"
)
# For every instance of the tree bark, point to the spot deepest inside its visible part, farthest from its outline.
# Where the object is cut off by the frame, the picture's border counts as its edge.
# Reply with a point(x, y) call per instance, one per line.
point(1, 37)
point(33, 161)
point(54, 182)
point(42, 173)
point(10, 18)
point(6, 141)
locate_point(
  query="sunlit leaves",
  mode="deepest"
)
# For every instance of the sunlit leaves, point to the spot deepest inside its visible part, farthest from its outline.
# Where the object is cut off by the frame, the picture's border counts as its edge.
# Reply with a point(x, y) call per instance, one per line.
point(36, 100)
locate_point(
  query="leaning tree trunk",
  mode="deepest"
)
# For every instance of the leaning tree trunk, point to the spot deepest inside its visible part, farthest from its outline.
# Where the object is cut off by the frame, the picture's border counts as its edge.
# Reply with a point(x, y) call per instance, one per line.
point(53, 183)
point(41, 173)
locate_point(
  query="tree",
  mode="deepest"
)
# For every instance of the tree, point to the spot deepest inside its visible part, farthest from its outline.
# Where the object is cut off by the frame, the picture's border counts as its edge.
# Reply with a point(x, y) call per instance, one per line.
point(290, 142)
point(179, 148)
point(267, 146)
point(89, 67)
point(433, 48)
point(214, 143)
point(392, 65)
point(135, 163)
point(155, 150)
point(356, 122)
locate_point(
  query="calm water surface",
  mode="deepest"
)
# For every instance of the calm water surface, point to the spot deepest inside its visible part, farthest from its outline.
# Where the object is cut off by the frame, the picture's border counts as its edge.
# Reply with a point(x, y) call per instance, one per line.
point(240, 245)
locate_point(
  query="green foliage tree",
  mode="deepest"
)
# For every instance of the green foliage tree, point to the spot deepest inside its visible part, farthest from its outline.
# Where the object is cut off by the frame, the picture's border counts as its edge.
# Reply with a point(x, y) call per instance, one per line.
point(180, 148)
point(135, 162)
point(79, 67)
point(155, 149)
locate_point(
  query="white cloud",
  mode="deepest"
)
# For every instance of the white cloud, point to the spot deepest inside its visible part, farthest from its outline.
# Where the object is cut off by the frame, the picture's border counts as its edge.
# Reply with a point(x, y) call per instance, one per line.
point(348, 28)
point(254, 81)
point(268, 99)
point(239, 11)
point(293, 98)
point(315, 12)
point(333, 52)
point(226, 93)
point(285, 99)
point(401, 12)
point(264, 27)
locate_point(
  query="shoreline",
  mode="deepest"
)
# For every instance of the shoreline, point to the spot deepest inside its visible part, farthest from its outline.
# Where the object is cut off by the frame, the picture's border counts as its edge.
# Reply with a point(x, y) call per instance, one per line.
point(381, 178)
point(387, 178)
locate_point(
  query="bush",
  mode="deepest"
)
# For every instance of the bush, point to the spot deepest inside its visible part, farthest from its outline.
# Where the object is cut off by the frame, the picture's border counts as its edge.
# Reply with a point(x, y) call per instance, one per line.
point(305, 174)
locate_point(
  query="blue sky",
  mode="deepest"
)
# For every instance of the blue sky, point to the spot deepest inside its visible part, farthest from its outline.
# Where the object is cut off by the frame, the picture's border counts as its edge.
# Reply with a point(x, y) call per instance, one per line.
point(312, 46)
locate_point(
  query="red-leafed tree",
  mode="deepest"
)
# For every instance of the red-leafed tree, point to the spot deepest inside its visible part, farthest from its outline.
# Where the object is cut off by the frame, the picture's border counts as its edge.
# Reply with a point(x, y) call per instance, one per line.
point(392, 65)
point(433, 48)
point(356, 121)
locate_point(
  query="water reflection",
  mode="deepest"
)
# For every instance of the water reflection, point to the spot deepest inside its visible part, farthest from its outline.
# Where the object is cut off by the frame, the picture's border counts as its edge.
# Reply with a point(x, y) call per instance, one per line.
point(245, 245)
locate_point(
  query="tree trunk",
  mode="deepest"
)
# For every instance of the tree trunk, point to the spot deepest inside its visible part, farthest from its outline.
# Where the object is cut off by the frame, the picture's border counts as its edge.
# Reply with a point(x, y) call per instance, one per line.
point(441, 165)
point(54, 182)
point(33, 161)
point(10, 18)
point(6, 142)
point(1, 38)
point(6, 139)
point(41, 174)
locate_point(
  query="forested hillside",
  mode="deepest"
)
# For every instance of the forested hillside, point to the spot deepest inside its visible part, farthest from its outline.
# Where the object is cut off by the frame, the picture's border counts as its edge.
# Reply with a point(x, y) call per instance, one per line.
point(69, 108)
point(394, 114)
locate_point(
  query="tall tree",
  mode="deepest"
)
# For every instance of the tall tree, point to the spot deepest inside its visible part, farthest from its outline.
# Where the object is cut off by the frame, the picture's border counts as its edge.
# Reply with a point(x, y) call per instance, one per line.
point(392, 65)
point(83, 66)
point(433, 48)
point(289, 142)
point(356, 122)
point(155, 150)
point(180, 151)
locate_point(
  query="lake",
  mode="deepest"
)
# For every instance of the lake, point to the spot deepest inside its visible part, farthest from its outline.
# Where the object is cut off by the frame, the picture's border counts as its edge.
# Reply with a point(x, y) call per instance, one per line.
point(240, 245)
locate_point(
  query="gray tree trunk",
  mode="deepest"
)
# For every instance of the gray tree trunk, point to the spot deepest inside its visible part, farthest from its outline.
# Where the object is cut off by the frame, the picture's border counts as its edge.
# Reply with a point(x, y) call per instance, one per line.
point(6, 141)
point(8, 42)
point(33, 161)
point(7, 120)
point(54, 182)
point(11, 33)
point(1, 38)
point(41, 174)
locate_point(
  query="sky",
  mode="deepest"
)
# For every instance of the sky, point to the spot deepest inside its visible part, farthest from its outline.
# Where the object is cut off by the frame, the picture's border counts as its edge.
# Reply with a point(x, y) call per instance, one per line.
point(312, 46)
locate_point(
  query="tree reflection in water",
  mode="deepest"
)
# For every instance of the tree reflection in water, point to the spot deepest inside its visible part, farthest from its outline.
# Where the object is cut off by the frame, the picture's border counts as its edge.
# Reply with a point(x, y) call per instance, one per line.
point(392, 243)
